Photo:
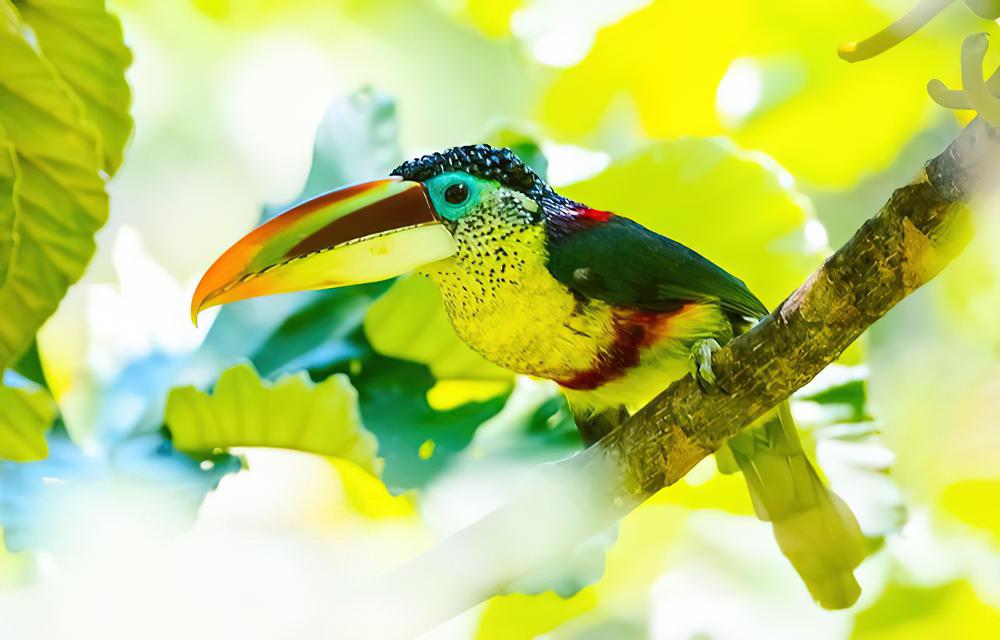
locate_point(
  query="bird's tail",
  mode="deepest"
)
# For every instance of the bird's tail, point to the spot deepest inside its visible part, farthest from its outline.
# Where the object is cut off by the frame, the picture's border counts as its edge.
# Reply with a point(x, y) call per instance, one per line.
point(814, 528)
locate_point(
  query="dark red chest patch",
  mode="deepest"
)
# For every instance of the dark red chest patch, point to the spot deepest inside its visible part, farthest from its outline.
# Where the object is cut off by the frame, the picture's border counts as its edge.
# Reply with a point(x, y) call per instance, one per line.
point(634, 330)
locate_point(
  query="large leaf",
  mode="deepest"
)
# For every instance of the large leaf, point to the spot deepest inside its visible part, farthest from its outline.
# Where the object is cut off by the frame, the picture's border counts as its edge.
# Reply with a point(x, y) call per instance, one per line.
point(9, 182)
point(416, 439)
point(320, 334)
point(765, 73)
point(975, 502)
point(28, 412)
point(358, 139)
point(291, 413)
point(952, 610)
point(325, 337)
point(62, 198)
point(84, 43)
point(30, 366)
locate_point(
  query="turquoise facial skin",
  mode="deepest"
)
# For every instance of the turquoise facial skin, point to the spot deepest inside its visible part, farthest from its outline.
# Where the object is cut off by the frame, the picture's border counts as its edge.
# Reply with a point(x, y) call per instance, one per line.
point(439, 185)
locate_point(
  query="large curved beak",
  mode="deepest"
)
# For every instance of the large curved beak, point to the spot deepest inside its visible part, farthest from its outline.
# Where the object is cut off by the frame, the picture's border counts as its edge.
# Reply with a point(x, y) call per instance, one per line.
point(363, 233)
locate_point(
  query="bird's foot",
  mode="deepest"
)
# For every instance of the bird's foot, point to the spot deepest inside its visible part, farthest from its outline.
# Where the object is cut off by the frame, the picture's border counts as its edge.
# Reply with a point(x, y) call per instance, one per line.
point(700, 363)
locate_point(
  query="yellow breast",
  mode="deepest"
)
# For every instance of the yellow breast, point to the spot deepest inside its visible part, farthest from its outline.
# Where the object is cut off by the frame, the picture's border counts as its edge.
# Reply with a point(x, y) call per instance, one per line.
point(503, 302)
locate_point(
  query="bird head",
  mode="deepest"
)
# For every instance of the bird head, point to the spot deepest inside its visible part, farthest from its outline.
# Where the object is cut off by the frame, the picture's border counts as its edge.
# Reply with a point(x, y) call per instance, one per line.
point(427, 210)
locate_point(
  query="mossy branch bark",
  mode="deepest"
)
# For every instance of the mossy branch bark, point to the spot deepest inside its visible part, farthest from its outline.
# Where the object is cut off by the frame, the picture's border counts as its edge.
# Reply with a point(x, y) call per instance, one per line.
point(917, 232)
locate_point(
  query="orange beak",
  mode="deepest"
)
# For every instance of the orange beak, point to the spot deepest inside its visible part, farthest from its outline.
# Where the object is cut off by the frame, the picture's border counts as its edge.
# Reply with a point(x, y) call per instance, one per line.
point(362, 233)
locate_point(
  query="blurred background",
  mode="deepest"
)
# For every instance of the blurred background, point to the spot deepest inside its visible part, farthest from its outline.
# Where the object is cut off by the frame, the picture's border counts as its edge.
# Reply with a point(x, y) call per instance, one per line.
point(731, 126)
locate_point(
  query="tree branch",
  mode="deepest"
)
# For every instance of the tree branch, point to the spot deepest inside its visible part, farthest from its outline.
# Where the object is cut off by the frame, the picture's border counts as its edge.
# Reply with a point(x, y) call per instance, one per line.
point(917, 232)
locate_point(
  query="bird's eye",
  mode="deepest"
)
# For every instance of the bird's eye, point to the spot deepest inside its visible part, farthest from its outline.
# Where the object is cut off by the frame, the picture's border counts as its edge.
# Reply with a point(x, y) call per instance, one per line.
point(457, 193)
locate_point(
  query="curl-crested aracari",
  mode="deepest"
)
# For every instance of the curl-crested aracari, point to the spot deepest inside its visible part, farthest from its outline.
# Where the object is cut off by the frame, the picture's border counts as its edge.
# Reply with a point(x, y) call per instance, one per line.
point(548, 287)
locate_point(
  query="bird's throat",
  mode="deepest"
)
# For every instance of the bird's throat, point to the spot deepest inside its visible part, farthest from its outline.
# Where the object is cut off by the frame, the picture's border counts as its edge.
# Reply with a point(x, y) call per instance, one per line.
point(504, 303)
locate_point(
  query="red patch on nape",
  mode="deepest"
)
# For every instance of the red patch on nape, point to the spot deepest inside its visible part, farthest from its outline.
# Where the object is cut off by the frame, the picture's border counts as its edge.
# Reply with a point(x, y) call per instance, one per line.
point(593, 215)
point(634, 331)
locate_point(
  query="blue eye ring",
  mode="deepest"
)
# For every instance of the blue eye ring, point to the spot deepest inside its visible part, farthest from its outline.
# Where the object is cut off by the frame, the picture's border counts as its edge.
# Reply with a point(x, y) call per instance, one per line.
point(455, 193)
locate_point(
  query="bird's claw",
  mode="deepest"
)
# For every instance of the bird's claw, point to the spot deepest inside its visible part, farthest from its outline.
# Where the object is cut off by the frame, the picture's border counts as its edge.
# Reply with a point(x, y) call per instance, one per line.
point(700, 363)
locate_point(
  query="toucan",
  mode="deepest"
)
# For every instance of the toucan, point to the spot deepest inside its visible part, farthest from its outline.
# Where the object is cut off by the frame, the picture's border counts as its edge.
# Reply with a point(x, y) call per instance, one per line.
point(548, 287)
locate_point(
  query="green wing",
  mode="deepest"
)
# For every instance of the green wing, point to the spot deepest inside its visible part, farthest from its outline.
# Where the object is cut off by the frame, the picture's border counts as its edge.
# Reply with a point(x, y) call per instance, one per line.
point(625, 264)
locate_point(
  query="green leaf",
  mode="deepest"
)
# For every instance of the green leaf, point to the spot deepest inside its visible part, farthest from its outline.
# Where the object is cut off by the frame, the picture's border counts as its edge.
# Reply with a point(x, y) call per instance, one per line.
point(291, 413)
point(975, 502)
point(9, 183)
point(62, 198)
point(417, 439)
point(766, 74)
point(318, 333)
point(324, 336)
point(30, 366)
point(839, 397)
point(953, 610)
point(26, 413)
point(85, 44)
point(358, 139)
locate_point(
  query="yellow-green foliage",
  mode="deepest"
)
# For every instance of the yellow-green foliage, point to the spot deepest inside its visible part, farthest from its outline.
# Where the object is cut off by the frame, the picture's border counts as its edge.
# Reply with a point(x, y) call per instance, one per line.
point(27, 414)
point(48, 110)
point(290, 413)
point(731, 126)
